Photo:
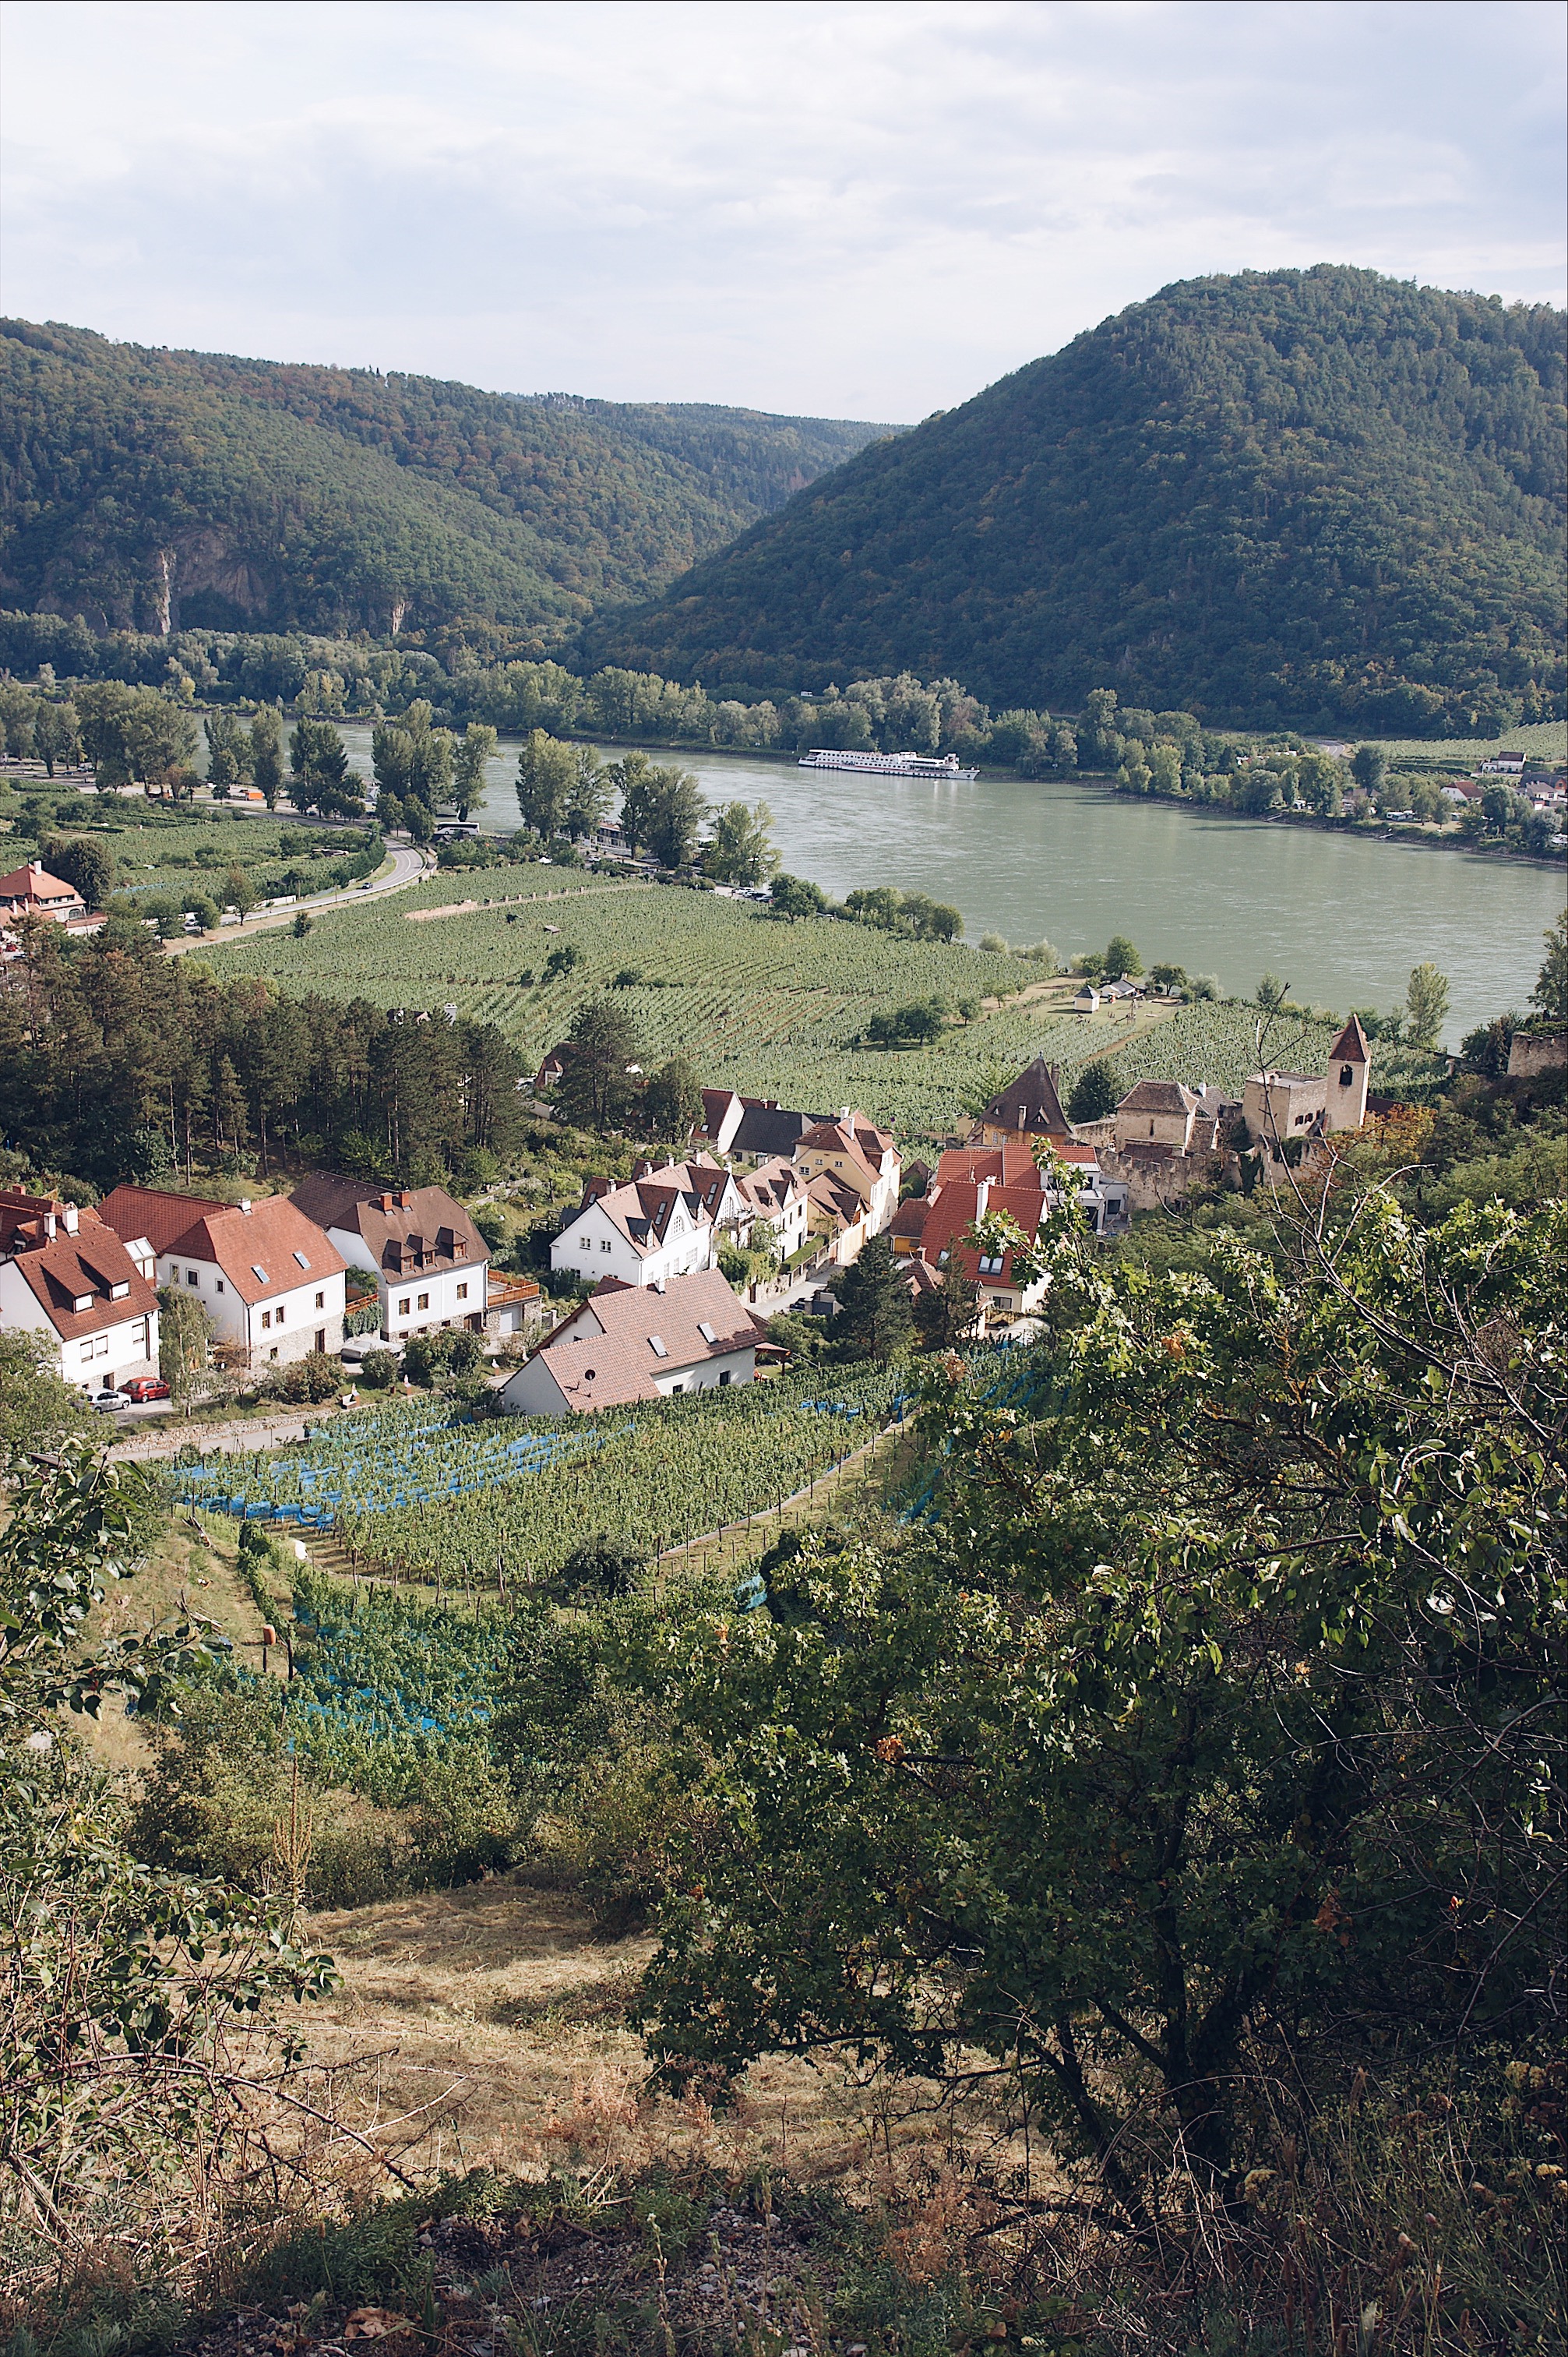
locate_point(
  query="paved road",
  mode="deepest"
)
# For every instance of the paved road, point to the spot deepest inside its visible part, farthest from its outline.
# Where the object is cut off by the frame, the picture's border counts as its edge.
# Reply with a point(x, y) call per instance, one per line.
point(409, 865)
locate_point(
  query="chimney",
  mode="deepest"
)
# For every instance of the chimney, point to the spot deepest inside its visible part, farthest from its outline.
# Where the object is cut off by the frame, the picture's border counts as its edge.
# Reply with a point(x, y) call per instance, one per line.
point(245, 1205)
point(387, 1202)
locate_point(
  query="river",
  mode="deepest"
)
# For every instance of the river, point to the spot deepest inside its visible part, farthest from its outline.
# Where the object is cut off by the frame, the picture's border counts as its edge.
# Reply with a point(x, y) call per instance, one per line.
point(1339, 918)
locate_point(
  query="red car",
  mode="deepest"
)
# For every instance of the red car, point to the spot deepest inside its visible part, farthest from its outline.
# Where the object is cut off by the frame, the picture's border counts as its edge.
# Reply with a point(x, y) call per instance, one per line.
point(145, 1387)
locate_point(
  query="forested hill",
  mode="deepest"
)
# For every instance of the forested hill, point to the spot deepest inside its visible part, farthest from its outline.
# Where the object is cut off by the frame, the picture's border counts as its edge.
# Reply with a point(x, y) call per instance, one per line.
point(254, 494)
point(1320, 496)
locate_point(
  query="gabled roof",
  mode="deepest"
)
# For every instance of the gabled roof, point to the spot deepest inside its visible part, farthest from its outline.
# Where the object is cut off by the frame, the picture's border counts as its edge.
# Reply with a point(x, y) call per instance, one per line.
point(769, 1130)
point(269, 1249)
point(837, 1198)
point(956, 1212)
point(1350, 1048)
point(771, 1188)
point(406, 1230)
point(34, 883)
point(1011, 1164)
point(1030, 1106)
point(643, 1210)
point(1159, 1097)
point(610, 1348)
point(93, 1267)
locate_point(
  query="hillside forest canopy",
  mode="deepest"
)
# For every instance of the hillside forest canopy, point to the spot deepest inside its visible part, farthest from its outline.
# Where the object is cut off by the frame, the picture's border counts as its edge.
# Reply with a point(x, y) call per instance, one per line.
point(1318, 497)
point(152, 488)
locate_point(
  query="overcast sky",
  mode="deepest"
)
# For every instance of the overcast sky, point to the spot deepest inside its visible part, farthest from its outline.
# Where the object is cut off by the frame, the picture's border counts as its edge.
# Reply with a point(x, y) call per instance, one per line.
point(854, 211)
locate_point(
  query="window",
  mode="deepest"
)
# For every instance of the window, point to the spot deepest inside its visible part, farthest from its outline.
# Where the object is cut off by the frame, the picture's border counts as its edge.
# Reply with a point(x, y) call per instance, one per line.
point(219, 1286)
point(87, 1351)
point(424, 1300)
point(727, 1376)
point(101, 1346)
point(1346, 1076)
point(301, 1259)
point(273, 1351)
point(706, 1331)
point(403, 1309)
point(258, 1272)
point(266, 1317)
point(321, 1301)
point(603, 1243)
point(676, 1387)
point(657, 1344)
point(462, 1292)
point(191, 1277)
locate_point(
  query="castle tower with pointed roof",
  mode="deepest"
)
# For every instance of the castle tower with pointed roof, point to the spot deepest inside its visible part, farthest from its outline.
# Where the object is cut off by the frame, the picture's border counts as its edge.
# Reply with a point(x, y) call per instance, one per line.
point(1350, 1066)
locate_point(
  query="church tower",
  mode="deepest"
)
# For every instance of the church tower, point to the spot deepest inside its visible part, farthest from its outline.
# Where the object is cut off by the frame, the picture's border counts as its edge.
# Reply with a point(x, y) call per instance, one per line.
point(1350, 1068)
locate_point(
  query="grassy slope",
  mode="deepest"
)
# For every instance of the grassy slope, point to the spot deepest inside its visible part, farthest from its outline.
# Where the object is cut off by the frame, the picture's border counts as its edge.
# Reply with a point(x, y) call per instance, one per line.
point(767, 1008)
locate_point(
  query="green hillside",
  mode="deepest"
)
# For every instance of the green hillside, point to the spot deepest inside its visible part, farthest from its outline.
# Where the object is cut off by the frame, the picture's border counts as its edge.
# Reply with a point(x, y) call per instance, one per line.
point(1320, 496)
point(147, 488)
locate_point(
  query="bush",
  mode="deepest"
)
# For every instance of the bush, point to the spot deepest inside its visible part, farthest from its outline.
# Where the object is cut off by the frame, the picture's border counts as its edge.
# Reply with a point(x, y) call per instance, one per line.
point(314, 1377)
point(1094, 1092)
point(378, 1369)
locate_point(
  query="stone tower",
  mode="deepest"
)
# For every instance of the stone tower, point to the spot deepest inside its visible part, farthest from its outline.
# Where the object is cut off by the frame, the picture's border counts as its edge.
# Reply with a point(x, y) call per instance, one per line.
point(1349, 1067)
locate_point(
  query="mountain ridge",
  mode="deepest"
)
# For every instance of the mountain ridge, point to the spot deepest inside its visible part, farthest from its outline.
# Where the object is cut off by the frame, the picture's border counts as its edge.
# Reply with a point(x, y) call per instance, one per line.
point(1317, 495)
point(146, 487)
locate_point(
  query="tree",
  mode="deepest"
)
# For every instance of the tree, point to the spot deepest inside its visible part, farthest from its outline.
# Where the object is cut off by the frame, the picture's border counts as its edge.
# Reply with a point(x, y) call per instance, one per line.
point(671, 1100)
point(947, 1315)
point(477, 746)
point(228, 750)
point(78, 859)
point(1368, 767)
point(239, 892)
point(1095, 1093)
point(37, 1407)
point(1426, 1002)
point(741, 849)
point(266, 753)
point(802, 1337)
point(589, 797)
point(56, 736)
point(1550, 992)
point(596, 1090)
point(546, 774)
point(662, 811)
point(1144, 1764)
point(185, 1341)
point(301, 925)
point(19, 713)
point(133, 732)
point(1121, 958)
point(875, 1320)
point(794, 897)
point(318, 759)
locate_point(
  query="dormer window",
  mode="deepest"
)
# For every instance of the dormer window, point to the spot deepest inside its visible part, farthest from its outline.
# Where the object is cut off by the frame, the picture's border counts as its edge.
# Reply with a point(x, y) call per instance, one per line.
point(81, 1302)
point(118, 1292)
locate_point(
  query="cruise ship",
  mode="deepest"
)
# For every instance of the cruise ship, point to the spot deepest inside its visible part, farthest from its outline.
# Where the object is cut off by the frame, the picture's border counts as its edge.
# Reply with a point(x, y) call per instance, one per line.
point(889, 765)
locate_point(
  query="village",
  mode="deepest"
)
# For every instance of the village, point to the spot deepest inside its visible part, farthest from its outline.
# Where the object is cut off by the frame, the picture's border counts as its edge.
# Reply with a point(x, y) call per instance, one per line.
point(638, 1305)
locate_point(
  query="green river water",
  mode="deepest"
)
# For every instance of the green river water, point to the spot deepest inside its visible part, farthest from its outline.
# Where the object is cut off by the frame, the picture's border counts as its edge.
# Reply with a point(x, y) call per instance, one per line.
point(1340, 917)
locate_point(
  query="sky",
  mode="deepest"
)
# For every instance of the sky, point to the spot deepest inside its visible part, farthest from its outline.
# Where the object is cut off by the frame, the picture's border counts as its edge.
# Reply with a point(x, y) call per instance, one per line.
point(848, 210)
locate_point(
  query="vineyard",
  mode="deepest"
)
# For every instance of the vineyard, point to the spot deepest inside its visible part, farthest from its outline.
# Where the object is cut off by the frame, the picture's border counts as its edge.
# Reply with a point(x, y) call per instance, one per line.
point(768, 1008)
point(459, 1504)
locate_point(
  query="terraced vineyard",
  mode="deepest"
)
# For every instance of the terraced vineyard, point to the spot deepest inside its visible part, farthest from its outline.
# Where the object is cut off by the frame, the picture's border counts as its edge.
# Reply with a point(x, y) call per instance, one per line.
point(769, 1008)
point(434, 1499)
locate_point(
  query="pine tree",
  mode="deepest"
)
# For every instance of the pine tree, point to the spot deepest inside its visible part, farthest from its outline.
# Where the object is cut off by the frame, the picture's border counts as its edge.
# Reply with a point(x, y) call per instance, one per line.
point(875, 1319)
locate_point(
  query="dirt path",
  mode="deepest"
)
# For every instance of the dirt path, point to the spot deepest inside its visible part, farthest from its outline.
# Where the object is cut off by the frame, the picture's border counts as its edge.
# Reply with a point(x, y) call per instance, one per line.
point(525, 901)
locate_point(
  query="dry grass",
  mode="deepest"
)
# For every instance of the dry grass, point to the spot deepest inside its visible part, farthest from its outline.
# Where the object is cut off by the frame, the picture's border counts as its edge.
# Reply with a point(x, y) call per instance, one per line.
point(491, 2022)
point(188, 1572)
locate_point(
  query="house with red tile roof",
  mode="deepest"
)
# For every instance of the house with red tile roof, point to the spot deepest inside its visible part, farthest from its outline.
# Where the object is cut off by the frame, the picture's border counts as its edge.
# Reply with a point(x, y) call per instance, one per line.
point(429, 1262)
point(860, 1160)
point(268, 1278)
point(629, 1342)
point(1005, 1290)
point(67, 1275)
point(32, 891)
point(661, 1226)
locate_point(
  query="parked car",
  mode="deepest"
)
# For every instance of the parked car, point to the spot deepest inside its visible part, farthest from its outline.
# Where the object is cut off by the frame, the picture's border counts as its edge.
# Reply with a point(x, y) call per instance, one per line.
point(142, 1388)
point(110, 1402)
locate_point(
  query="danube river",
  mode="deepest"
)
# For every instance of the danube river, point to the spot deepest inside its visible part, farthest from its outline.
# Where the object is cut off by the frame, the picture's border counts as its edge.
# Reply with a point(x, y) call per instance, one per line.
point(1342, 919)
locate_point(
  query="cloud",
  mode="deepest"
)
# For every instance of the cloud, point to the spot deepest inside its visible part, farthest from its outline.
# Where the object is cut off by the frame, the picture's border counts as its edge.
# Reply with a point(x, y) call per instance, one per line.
point(850, 210)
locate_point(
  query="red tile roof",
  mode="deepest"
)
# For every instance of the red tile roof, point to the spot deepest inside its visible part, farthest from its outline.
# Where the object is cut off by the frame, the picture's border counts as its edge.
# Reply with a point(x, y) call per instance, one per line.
point(269, 1249)
point(408, 1231)
point(89, 1266)
point(618, 1362)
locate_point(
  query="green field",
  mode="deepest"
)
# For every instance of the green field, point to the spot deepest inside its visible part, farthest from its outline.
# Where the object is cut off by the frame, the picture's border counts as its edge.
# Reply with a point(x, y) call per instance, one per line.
point(159, 850)
point(768, 1008)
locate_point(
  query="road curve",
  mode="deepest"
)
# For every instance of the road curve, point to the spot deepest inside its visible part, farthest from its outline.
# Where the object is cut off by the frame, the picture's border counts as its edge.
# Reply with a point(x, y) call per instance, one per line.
point(409, 865)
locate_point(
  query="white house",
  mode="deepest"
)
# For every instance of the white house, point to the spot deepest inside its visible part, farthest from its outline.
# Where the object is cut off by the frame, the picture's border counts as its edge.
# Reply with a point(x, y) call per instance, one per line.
point(854, 1153)
point(271, 1282)
point(658, 1227)
point(429, 1262)
point(629, 1342)
point(776, 1199)
point(66, 1275)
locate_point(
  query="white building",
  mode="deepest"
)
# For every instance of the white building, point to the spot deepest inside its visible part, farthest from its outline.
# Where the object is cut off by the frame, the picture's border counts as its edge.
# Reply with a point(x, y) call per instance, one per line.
point(630, 1342)
point(429, 1262)
point(272, 1283)
point(66, 1276)
point(658, 1228)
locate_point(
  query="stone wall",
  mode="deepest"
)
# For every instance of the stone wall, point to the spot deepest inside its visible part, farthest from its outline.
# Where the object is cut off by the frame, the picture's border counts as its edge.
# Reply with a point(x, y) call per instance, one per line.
point(1537, 1052)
